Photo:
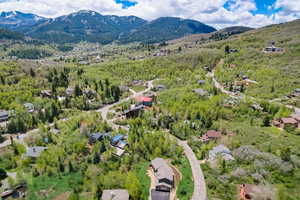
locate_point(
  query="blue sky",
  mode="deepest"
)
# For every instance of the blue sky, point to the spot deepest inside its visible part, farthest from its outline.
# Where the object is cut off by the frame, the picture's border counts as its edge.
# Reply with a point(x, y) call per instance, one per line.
point(218, 13)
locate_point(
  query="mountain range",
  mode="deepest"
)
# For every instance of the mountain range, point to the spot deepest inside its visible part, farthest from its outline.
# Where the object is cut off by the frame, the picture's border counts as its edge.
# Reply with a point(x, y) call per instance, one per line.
point(91, 26)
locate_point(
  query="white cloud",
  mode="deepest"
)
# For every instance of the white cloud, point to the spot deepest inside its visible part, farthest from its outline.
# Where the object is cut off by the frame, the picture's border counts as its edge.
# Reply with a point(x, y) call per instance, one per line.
point(239, 12)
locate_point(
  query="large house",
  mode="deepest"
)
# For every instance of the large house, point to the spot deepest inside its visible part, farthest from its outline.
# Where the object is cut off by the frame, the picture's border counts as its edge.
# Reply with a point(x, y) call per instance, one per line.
point(115, 195)
point(164, 175)
point(211, 135)
point(4, 115)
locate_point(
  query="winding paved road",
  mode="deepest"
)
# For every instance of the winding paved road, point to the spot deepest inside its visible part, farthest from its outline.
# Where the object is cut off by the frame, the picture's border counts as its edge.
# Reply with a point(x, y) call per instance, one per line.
point(199, 182)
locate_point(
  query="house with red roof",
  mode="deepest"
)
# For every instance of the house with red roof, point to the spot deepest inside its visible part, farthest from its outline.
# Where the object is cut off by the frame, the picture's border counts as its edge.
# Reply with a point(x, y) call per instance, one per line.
point(211, 135)
point(146, 101)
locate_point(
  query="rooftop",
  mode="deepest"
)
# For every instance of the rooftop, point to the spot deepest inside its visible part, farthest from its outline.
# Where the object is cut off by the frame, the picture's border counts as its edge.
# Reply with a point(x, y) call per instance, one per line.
point(115, 195)
point(162, 169)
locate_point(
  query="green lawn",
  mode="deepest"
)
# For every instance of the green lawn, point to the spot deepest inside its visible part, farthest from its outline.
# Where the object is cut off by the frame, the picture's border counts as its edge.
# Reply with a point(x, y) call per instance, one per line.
point(51, 186)
point(144, 179)
point(185, 188)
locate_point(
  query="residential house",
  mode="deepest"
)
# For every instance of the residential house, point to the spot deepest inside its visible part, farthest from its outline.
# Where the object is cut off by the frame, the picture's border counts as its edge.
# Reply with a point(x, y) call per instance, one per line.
point(211, 135)
point(35, 152)
point(119, 142)
point(4, 115)
point(46, 93)
point(16, 193)
point(164, 175)
point(115, 195)
point(222, 151)
point(29, 107)
point(134, 112)
point(146, 101)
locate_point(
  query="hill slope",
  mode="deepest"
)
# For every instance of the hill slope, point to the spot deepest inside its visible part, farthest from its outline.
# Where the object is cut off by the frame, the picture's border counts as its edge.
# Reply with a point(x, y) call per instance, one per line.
point(94, 27)
point(167, 28)
point(277, 74)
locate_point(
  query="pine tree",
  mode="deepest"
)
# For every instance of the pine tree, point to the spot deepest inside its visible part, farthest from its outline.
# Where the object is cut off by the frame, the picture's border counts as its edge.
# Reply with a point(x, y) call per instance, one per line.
point(32, 73)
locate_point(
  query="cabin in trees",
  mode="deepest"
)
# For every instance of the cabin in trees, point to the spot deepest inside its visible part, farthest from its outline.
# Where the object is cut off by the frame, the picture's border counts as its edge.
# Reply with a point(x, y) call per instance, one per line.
point(211, 135)
point(115, 195)
point(164, 175)
point(4, 115)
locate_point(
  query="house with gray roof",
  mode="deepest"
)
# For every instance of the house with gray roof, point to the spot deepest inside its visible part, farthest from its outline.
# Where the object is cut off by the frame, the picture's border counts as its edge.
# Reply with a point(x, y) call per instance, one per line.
point(29, 107)
point(159, 195)
point(4, 115)
point(164, 175)
point(35, 152)
point(115, 195)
